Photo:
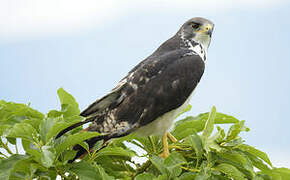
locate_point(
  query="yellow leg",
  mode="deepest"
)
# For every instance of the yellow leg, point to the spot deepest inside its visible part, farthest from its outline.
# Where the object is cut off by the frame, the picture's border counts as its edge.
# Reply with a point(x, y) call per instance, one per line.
point(171, 137)
point(165, 152)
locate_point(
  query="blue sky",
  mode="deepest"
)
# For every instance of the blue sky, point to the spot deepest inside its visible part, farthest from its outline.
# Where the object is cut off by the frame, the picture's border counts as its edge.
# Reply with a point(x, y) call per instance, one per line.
point(87, 47)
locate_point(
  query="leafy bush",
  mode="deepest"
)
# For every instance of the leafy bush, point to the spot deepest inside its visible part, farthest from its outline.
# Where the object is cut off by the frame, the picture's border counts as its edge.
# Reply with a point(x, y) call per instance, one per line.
point(197, 155)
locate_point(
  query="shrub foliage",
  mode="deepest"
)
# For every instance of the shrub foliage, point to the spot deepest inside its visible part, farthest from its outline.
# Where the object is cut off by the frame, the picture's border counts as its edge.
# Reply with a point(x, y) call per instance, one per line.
point(28, 149)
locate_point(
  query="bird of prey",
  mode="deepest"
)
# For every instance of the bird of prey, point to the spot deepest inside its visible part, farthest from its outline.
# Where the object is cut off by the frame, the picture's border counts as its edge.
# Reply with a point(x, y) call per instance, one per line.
point(150, 96)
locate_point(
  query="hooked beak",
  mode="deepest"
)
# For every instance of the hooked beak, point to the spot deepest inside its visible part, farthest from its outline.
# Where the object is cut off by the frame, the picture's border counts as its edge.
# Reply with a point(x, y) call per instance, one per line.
point(209, 29)
point(209, 32)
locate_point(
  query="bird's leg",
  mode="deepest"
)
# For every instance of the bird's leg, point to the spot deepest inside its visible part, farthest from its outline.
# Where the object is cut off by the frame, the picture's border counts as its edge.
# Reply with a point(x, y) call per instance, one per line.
point(165, 152)
point(171, 137)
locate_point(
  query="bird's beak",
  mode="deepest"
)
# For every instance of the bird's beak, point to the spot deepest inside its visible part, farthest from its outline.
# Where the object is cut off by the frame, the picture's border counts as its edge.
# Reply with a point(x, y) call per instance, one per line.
point(209, 32)
point(209, 29)
point(206, 30)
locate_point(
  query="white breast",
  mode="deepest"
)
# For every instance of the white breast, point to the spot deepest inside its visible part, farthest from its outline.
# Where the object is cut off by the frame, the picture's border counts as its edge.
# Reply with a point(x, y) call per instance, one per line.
point(161, 125)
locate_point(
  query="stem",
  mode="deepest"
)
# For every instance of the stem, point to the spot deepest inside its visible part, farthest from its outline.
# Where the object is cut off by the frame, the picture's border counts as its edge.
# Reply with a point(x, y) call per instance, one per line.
point(3, 155)
point(16, 148)
point(172, 146)
point(189, 169)
point(142, 168)
point(152, 143)
point(37, 144)
point(128, 170)
point(5, 146)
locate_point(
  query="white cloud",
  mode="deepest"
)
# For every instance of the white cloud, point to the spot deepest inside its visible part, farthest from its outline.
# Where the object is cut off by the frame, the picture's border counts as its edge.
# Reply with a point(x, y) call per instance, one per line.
point(30, 18)
point(20, 18)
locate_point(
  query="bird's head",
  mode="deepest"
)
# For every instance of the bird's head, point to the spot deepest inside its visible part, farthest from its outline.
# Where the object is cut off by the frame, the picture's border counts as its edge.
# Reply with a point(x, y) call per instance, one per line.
point(197, 29)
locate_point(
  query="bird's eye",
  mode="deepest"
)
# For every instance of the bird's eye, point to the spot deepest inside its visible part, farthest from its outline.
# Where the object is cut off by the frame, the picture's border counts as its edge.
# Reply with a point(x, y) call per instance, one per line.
point(195, 26)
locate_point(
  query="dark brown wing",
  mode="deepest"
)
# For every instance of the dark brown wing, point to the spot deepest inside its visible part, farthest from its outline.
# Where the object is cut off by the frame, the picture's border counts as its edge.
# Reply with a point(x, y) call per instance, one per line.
point(156, 86)
point(159, 86)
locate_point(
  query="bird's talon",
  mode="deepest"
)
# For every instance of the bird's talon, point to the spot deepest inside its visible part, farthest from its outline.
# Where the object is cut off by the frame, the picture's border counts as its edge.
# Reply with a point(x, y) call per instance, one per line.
point(171, 137)
point(164, 154)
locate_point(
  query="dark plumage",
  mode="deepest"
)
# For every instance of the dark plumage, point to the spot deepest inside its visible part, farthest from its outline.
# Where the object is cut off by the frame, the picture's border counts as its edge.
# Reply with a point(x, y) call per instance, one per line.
point(160, 84)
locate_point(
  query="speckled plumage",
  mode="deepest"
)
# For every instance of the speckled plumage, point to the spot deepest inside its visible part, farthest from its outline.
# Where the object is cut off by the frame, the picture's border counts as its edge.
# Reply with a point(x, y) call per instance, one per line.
point(157, 85)
point(151, 95)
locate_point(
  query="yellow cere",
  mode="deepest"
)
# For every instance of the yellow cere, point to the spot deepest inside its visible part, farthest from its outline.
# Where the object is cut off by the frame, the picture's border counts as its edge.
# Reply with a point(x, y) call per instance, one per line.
point(206, 29)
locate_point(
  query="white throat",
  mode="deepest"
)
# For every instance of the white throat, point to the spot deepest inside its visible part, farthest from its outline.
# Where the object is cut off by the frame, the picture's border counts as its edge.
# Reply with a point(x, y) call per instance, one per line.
point(196, 47)
point(199, 49)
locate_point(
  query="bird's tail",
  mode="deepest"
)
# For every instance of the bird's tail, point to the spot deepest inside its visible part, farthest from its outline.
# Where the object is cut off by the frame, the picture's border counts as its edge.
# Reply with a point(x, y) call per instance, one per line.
point(73, 126)
point(92, 141)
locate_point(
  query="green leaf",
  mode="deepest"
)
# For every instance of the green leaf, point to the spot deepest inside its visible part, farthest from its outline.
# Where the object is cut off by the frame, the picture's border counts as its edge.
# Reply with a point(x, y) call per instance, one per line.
point(115, 166)
point(258, 178)
point(51, 126)
point(55, 113)
point(173, 163)
point(283, 172)
point(195, 156)
point(74, 139)
point(158, 163)
point(31, 149)
point(187, 126)
point(45, 126)
point(102, 174)
point(239, 160)
point(230, 171)
point(47, 156)
point(33, 122)
point(255, 152)
point(68, 155)
point(151, 144)
point(188, 176)
point(11, 113)
point(60, 124)
point(98, 145)
point(69, 104)
point(212, 142)
point(86, 171)
point(22, 169)
point(25, 131)
point(115, 151)
point(258, 163)
point(4, 128)
point(7, 165)
point(188, 108)
point(235, 130)
point(47, 174)
point(209, 124)
point(161, 177)
point(220, 135)
point(194, 141)
point(205, 172)
point(221, 118)
point(234, 142)
point(144, 176)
